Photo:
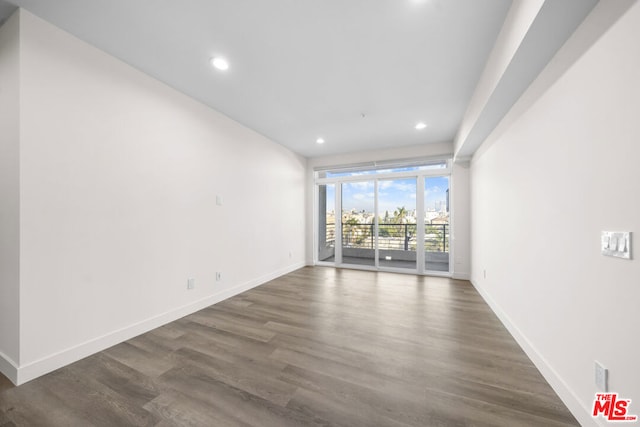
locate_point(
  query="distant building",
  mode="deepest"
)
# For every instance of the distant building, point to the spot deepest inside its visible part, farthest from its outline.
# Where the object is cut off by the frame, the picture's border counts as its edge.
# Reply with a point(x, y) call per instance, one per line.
point(441, 219)
point(430, 215)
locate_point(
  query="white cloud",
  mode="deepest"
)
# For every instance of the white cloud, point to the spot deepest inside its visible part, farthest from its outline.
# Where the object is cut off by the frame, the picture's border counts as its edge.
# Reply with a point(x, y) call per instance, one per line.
point(359, 186)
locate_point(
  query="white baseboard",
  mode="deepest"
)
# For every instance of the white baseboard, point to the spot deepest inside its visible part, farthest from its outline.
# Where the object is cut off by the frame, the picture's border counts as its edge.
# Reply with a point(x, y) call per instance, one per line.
point(461, 276)
point(568, 397)
point(8, 368)
point(27, 372)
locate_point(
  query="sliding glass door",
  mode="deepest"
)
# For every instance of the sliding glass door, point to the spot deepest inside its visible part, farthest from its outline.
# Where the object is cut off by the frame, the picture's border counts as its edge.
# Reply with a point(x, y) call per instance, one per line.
point(358, 223)
point(436, 223)
point(394, 219)
point(326, 223)
point(397, 225)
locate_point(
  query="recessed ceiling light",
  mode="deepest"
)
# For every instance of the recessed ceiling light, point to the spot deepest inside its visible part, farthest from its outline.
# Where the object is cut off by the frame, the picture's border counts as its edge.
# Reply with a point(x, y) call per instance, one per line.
point(219, 63)
point(421, 126)
point(320, 140)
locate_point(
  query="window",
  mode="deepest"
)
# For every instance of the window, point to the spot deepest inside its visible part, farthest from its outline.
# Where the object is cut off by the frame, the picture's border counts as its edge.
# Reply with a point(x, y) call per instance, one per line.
point(385, 215)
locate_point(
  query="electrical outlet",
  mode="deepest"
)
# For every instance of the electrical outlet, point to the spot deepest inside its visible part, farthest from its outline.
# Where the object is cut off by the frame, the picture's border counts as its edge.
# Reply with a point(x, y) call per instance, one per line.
point(218, 276)
point(191, 283)
point(602, 377)
point(484, 272)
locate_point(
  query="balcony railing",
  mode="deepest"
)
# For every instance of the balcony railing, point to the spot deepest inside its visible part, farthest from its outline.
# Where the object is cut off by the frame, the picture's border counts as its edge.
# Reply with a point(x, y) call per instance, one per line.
point(390, 236)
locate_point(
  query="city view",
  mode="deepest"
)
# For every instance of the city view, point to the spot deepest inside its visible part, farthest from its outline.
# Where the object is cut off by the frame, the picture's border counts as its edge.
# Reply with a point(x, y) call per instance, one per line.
point(397, 221)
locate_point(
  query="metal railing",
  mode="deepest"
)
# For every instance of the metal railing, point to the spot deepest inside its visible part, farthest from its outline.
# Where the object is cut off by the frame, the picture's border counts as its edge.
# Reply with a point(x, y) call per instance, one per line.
point(390, 236)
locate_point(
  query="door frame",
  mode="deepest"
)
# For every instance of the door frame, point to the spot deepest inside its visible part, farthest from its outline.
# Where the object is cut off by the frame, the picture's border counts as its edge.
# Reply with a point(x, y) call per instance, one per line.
point(420, 176)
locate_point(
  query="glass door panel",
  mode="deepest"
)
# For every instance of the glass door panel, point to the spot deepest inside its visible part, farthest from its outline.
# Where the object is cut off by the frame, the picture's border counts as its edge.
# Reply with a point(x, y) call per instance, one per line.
point(358, 233)
point(326, 223)
point(397, 226)
point(436, 223)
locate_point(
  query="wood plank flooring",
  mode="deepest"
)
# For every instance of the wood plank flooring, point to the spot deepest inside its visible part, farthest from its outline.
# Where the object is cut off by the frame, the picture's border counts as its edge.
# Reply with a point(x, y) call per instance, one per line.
point(319, 346)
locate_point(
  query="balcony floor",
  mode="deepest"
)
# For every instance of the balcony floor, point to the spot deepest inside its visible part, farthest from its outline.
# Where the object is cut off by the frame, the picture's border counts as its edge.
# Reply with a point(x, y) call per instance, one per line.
point(411, 265)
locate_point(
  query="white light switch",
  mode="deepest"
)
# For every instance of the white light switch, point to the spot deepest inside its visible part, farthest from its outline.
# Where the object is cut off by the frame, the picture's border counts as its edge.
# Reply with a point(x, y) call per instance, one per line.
point(219, 200)
point(616, 244)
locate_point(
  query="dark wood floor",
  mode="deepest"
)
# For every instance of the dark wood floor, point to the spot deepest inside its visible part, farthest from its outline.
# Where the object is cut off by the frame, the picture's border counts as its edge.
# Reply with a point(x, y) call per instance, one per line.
point(318, 346)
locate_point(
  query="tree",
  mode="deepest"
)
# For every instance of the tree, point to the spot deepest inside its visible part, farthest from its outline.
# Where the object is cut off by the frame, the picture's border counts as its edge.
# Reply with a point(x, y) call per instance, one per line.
point(400, 217)
point(356, 234)
point(349, 226)
point(383, 225)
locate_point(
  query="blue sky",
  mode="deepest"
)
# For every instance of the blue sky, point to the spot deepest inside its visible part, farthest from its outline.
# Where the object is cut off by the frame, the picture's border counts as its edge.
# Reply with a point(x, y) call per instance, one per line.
point(391, 194)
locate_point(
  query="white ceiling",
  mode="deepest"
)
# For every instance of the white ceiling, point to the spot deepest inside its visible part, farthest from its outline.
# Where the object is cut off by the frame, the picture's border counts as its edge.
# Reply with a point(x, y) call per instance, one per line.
point(301, 69)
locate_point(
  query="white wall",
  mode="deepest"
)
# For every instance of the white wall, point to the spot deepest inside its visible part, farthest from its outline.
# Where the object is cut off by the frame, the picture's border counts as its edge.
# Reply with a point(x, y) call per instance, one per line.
point(120, 175)
point(460, 192)
point(566, 169)
point(461, 221)
point(9, 195)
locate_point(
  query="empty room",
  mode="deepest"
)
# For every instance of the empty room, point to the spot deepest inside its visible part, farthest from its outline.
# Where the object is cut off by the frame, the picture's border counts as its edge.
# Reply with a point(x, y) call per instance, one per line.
point(319, 212)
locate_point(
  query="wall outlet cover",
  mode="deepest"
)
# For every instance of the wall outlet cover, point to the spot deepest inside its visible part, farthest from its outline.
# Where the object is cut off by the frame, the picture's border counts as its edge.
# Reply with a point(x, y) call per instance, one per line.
point(602, 376)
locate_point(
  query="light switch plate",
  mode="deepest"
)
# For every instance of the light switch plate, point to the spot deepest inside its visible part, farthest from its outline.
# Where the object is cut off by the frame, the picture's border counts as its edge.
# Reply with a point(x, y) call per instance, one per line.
point(616, 244)
point(602, 377)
